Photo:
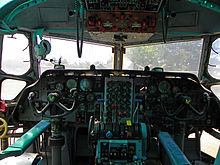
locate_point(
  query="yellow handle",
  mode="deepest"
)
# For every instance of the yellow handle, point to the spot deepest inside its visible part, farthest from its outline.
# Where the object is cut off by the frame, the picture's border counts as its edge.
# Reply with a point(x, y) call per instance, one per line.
point(5, 126)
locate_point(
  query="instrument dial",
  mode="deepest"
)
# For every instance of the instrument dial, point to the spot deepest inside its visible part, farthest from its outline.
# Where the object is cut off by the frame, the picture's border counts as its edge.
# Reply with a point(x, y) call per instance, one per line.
point(59, 86)
point(90, 97)
point(164, 86)
point(86, 85)
point(71, 83)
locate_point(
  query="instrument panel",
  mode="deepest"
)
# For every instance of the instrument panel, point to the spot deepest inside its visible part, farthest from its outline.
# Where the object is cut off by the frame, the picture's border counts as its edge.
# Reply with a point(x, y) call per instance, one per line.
point(131, 16)
point(120, 96)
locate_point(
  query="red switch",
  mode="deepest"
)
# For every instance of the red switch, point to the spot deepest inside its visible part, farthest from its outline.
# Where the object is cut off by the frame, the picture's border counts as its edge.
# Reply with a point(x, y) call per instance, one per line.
point(122, 17)
point(99, 23)
point(91, 23)
point(3, 106)
point(129, 134)
point(144, 25)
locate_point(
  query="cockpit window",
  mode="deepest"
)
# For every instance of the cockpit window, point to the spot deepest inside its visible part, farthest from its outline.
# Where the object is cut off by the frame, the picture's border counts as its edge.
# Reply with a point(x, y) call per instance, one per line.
point(181, 56)
point(4, 2)
point(15, 54)
point(214, 61)
point(11, 88)
point(66, 50)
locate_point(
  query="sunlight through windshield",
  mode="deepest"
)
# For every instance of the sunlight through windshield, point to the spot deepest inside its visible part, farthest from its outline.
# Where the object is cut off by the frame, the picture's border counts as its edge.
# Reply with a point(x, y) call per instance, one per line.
point(180, 56)
point(4, 2)
point(100, 56)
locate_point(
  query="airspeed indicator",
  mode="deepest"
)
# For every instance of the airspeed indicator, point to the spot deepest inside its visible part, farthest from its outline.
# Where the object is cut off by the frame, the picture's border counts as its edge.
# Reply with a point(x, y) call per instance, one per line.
point(71, 83)
point(164, 86)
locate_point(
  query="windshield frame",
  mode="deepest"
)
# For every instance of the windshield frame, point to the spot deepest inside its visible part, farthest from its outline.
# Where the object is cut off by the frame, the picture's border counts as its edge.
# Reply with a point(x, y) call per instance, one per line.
point(204, 76)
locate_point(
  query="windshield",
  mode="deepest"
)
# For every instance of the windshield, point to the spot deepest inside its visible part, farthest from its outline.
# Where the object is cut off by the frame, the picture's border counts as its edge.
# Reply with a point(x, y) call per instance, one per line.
point(98, 55)
point(180, 56)
point(4, 2)
point(214, 61)
point(175, 57)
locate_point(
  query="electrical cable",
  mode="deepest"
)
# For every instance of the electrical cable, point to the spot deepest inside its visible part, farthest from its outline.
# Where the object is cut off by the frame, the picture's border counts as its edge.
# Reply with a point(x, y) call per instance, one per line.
point(79, 47)
point(135, 111)
point(162, 15)
point(164, 27)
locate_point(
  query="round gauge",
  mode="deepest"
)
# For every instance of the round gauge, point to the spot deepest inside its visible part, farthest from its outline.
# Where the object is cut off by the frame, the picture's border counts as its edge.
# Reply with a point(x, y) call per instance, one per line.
point(152, 89)
point(90, 97)
point(86, 85)
point(164, 86)
point(82, 107)
point(71, 83)
point(175, 89)
point(59, 86)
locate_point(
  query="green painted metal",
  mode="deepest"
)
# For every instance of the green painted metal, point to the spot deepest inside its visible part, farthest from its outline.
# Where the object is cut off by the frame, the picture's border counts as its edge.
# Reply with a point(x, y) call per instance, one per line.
point(6, 29)
point(206, 4)
point(174, 153)
point(21, 8)
point(2, 31)
point(185, 33)
point(19, 147)
point(217, 160)
point(38, 32)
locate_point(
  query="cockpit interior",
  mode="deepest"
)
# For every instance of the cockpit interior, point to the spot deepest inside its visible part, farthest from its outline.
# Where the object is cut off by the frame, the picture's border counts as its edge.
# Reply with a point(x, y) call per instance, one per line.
point(105, 82)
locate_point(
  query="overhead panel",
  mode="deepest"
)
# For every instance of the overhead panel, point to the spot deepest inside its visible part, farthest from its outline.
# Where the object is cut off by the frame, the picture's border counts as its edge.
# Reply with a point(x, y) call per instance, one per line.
point(122, 20)
point(132, 16)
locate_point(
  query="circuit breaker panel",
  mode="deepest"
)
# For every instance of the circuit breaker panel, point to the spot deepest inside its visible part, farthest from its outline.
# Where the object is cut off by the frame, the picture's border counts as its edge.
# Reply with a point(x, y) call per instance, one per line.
point(118, 99)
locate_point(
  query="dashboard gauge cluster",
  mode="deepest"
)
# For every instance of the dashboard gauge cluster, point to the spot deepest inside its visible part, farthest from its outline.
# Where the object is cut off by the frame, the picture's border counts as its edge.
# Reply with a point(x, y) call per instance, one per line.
point(134, 95)
point(88, 91)
point(118, 99)
point(87, 105)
